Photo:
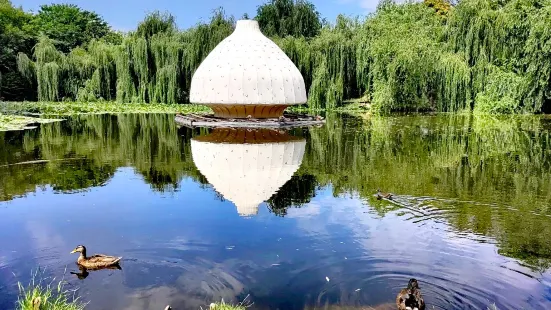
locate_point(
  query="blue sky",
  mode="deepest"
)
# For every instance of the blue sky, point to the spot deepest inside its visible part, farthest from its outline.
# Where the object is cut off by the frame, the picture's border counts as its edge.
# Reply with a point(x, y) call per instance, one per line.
point(125, 14)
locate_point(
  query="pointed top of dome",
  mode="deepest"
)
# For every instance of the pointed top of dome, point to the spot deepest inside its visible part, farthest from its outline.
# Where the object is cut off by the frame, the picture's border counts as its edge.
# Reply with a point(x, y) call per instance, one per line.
point(247, 68)
point(248, 24)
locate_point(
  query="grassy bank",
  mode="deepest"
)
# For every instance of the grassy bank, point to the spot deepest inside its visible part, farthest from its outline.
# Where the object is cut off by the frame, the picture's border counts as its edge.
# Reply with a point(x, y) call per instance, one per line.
point(77, 108)
point(224, 306)
point(39, 295)
point(53, 296)
point(74, 108)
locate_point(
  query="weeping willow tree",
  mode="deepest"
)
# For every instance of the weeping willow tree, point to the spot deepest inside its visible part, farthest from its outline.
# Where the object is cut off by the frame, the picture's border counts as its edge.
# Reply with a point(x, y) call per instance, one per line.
point(203, 38)
point(327, 62)
point(153, 64)
point(483, 55)
point(537, 55)
point(398, 53)
point(167, 55)
point(46, 68)
point(100, 84)
point(126, 90)
point(506, 45)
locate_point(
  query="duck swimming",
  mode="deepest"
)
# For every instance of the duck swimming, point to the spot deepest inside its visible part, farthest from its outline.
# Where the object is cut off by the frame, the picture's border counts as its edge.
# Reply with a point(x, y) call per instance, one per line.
point(382, 195)
point(97, 261)
point(410, 298)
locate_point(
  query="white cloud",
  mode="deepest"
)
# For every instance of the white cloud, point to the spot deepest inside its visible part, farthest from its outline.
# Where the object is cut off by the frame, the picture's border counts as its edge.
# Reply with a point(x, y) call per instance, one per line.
point(366, 5)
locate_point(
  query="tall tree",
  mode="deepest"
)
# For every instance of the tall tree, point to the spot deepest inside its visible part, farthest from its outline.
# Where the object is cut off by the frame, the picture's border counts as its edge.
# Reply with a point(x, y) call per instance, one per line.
point(289, 18)
point(69, 26)
point(15, 36)
point(155, 23)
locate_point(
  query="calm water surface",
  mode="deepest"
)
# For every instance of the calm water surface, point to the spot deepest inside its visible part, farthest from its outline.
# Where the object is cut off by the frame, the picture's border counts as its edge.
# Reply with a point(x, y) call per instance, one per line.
point(286, 218)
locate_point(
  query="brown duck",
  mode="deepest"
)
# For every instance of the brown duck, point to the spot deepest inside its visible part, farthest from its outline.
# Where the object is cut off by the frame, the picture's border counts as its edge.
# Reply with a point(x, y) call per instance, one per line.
point(98, 261)
point(410, 298)
point(382, 195)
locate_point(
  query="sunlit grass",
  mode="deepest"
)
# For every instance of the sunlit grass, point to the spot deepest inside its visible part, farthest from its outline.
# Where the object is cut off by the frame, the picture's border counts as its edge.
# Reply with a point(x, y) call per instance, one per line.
point(74, 108)
point(224, 306)
point(42, 295)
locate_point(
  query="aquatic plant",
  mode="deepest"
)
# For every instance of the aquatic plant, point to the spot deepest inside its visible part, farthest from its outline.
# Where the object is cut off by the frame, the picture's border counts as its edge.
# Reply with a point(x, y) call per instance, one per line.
point(104, 107)
point(17, 122)
point(52, 295)
point(243, 305)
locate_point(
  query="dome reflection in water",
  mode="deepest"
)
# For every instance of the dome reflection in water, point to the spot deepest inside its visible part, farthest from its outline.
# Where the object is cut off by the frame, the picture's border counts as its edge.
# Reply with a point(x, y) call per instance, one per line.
point(247, 166)
point(470, 217)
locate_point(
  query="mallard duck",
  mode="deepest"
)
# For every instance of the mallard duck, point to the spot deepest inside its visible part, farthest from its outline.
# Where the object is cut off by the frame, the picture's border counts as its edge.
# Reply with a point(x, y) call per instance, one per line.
point(410, 298)
point(382, 195)
point(97, 261)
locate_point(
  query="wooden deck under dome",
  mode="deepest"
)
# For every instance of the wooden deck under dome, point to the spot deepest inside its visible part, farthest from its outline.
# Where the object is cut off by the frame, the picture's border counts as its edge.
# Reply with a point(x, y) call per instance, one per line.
point(288, 120)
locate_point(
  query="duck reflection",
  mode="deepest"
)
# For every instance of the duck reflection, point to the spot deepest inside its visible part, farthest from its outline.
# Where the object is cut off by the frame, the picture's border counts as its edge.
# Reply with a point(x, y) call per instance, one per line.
point(83, 272)
point(247, 166)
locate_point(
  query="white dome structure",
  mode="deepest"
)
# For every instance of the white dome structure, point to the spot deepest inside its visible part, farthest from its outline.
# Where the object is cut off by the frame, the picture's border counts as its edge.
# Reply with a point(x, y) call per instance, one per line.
point(247, 74)
point(247, 166)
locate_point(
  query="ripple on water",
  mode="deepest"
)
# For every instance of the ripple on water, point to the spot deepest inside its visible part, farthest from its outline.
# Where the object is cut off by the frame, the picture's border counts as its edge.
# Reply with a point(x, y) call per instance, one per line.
point(457, 269)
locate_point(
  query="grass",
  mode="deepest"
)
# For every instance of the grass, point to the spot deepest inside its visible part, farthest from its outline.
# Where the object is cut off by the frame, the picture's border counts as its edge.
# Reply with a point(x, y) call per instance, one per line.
point(17, 122)
point(350, 106)
point(39, 295)
point(74, 108)
point(224, 306)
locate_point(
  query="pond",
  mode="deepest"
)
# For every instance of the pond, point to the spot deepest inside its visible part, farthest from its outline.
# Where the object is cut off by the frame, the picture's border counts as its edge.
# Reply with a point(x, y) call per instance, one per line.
point(285, 220)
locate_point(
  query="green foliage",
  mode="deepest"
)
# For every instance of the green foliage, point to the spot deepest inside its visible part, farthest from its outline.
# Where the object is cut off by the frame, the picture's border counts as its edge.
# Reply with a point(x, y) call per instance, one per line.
point(155, 23)
point(289, 18)
point(47, 296)
point(538, 53)
point(441, 7)
point(398, 54)
point(404, 57)
point(76, 108)
point(15, 36)
point(69, 26)
point(224, 306)
point(503, 93)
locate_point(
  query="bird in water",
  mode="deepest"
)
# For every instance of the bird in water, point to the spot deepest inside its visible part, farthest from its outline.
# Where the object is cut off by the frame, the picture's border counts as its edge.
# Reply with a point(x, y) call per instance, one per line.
point(410, 298)
point(382, 195)
point(168, 308)
point(98, 261)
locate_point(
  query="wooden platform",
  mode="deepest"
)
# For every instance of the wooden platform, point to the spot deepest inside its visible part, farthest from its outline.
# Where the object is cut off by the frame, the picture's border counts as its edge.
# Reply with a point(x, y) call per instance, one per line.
point(288, 120)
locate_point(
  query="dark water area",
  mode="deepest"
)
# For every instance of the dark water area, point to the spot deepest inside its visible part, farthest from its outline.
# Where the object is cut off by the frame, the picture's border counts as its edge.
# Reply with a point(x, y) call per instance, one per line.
point(287, 220)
